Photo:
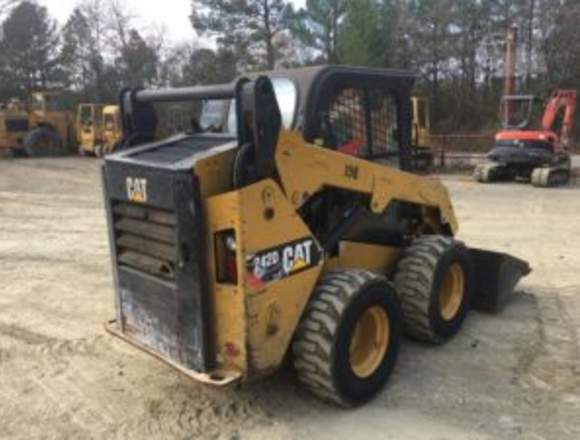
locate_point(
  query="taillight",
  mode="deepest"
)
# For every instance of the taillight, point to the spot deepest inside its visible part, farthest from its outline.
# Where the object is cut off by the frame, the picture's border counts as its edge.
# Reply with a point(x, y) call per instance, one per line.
point(226, 259)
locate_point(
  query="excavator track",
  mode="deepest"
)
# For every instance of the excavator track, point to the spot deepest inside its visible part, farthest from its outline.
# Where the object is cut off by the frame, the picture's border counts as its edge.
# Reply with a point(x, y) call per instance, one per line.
point(486, 173)
point(549, 177)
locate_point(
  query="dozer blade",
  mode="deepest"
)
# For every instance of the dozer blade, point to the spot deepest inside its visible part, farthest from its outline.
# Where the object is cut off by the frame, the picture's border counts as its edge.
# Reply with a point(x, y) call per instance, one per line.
point(496, 276)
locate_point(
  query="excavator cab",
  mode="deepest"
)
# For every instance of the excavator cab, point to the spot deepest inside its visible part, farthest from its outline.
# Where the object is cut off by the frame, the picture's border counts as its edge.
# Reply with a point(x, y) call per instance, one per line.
point(521, 112)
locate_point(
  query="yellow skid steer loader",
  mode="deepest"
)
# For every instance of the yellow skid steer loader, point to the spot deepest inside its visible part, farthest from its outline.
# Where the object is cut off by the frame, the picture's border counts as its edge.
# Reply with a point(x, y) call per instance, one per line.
point(292, 226)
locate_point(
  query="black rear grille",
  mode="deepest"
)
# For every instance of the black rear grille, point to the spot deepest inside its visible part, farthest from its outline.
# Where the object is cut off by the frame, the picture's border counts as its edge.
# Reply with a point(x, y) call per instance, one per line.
point(17, 125)
point(146, 239)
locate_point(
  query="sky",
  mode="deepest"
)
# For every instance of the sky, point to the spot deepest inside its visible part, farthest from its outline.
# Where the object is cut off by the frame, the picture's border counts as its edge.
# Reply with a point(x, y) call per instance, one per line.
point(173, 15)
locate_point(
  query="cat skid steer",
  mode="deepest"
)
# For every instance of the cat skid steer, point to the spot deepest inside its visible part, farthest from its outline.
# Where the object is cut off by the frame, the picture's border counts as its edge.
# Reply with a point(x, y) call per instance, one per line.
point(293, 227)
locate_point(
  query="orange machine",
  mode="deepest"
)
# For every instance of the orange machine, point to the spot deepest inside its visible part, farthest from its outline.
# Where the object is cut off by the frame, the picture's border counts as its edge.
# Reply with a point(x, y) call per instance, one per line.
point(531, 147)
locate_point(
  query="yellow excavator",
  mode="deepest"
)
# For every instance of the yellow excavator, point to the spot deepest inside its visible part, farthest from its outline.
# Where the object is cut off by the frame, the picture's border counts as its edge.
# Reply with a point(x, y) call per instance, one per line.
point(291, 226)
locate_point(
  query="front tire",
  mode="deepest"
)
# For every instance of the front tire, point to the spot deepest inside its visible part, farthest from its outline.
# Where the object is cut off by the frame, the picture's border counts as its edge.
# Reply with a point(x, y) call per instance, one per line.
point(348, 341)
point(434, 282)
point(43, 142)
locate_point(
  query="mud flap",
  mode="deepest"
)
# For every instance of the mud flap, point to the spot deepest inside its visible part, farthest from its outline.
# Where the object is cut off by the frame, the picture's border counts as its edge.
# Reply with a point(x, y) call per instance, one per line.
point(495, 277)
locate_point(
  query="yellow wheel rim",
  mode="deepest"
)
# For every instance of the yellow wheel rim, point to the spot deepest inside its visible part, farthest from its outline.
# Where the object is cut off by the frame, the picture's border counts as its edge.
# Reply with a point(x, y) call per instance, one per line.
point(369, 342)
point(451, 292)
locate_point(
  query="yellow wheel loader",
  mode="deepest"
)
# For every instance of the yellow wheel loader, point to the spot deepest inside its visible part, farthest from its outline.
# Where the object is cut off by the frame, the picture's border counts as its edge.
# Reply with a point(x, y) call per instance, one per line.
point(98, 129)
point(292, 228)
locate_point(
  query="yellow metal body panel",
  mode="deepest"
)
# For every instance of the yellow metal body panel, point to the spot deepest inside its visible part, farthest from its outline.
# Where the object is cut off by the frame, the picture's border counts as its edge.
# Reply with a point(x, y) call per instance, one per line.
point(323, 167)
point(255, 323)
point(214, 172)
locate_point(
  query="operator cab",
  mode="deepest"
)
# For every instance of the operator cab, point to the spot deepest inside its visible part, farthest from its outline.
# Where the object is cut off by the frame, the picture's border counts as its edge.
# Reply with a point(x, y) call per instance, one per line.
point(520, 112)
point(360, 112)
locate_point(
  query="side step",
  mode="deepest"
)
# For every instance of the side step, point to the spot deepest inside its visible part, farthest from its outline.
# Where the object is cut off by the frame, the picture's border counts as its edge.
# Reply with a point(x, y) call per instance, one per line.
point(496, 276)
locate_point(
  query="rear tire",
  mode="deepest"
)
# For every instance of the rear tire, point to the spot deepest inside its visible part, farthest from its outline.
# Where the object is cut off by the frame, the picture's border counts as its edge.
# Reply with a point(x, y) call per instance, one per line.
point(347, 342)
point(434, 282)
point(43, 142)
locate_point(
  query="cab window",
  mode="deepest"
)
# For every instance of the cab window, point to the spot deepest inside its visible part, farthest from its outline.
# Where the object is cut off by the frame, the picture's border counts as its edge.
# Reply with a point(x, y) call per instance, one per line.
point(362, 122)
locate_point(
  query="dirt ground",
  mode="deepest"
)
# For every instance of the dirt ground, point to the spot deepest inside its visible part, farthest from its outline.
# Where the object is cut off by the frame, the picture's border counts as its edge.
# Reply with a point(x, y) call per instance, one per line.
point(515, 375)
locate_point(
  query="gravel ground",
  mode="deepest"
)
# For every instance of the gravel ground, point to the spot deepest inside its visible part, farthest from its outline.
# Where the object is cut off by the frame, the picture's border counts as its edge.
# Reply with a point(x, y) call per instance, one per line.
point(515, 375)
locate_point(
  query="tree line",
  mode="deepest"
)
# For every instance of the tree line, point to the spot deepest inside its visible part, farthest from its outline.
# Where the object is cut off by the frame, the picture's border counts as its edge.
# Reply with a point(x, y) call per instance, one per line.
point(455, 47)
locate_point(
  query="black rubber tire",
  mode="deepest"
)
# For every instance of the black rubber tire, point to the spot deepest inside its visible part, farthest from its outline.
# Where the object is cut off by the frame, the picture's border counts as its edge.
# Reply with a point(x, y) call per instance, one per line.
point(43, 142)
point(322, 340)
point(418, 278)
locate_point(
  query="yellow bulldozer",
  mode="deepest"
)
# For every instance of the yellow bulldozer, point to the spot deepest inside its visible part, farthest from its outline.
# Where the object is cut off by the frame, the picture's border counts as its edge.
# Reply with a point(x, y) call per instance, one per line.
point(98, 129)
point(292, 226)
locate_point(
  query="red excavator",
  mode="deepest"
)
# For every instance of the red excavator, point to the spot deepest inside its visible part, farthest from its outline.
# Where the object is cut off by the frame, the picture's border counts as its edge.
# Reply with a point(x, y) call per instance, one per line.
point(529, 147)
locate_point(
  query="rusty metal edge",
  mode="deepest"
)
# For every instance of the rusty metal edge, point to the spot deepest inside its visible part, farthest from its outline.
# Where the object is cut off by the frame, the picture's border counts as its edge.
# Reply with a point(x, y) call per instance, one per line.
point(225, 377)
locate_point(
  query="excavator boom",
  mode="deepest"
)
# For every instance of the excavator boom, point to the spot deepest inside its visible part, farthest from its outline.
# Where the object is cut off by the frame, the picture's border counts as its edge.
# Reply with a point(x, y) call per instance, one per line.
point(561, 99)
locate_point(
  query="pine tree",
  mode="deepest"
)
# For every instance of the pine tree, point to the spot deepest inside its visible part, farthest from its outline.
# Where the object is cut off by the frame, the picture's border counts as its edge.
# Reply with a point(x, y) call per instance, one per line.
point(246, 27)
point(29, 48)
